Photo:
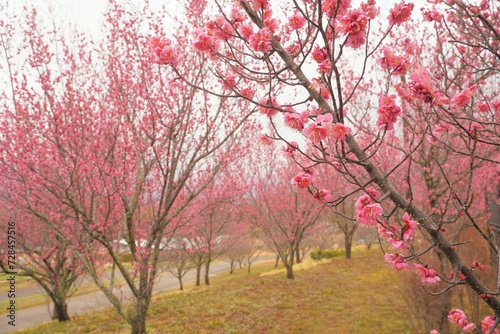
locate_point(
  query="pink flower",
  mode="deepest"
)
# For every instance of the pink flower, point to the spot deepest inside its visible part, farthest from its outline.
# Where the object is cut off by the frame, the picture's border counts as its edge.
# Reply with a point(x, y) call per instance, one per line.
point(353, 22)
point(220, 28)
point(397, 65)
point(339, 131)
point(330, 7)
point(369, 214)
point(469, 328)
point(260, 4)
point(370, 9)
point(246, 31)
point(237, 17)
point(325, 66)
point(400, 13)
point(397, 244)
point(457, 316)
point(323, 195)
point(421, 86)
point(464, 97)
point(315, 133)
point(319, 54)
point(265, 139)
point(167, 53)
point(296, 121)
point(408, 228)
point(204, 42)
point(482, 107)
point(302, 180)
point(427, 276)
point(362, 202)
point(356, 40)
point(396, 261)
point(431, 15)
point(487, 323)
point(297, 21)
point(261, 40)
point(268, 107)
point(434, 332)
point(249, 93)
point(324, 119)
point(229, 82)
point(387, 112)
point(270, 22)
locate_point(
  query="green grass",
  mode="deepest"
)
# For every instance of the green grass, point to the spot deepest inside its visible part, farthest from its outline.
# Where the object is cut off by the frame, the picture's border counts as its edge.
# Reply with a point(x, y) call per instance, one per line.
point(21, 282)
point(333, 296)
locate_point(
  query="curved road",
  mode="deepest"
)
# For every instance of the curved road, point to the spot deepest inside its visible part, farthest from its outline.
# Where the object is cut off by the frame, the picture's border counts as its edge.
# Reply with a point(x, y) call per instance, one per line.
point(92, 301)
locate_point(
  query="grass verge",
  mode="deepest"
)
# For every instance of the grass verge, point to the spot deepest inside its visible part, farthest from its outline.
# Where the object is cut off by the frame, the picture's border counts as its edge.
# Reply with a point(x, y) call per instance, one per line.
point(340, 296)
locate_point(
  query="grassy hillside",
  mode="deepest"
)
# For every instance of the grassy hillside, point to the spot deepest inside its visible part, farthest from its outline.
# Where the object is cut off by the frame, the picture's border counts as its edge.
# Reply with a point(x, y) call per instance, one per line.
point(336, 296)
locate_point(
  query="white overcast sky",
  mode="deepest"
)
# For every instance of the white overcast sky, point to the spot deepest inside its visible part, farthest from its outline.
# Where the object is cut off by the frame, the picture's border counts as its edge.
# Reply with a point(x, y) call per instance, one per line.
point(87, 13)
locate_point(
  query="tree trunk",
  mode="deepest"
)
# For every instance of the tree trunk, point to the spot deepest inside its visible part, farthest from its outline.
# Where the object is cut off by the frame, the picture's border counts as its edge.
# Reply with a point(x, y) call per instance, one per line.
point(348, 244)
point(277, 261)
point(298, 258)
point(181, 286)
point(207, 273)
point(249, 265)
point(60, 310)
point(198, 274)
point(138, 322)
point(289, 265)
point(232, 265)
point(289, 271)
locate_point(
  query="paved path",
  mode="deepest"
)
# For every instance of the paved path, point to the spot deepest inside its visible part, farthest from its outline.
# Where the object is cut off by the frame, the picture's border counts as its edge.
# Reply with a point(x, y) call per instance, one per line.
point(92, 301)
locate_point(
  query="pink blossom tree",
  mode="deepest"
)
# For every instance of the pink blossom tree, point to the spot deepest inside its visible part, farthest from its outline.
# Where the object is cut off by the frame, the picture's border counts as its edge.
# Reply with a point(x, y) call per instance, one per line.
point(45, 256)
point(281, 213)
point(217, 222)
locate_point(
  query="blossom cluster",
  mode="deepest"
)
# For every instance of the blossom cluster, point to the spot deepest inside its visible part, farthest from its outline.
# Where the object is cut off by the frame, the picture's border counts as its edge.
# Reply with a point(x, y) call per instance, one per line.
point(399, 237)
point(387, 112)
point(323, 127)
point(367, 211)
point(458, 317)
point(397, 65)
point(167, 53)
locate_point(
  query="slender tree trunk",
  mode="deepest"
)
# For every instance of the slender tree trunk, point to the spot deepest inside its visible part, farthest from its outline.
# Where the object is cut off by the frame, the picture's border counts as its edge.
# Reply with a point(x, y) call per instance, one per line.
point(139, 321)
point(289, 271)
point(60, 310)
point(249, 265)
point(298, 258)
point(232, 265)
point(142, 299)
point(198, 274)
point(207, 272)
point(348, 244)
point(179, 277)
point(277, 261)
point(289, 265)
